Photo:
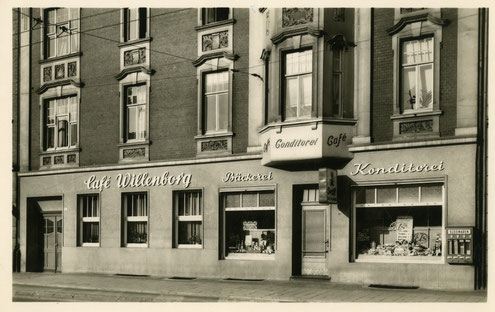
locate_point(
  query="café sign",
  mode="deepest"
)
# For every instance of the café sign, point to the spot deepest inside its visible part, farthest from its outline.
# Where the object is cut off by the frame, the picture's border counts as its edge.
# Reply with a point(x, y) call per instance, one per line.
point(306, 142)
point(128, 180)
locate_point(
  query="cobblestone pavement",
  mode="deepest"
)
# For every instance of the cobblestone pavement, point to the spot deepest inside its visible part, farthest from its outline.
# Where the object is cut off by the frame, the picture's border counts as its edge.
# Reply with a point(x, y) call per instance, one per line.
point(112, 288)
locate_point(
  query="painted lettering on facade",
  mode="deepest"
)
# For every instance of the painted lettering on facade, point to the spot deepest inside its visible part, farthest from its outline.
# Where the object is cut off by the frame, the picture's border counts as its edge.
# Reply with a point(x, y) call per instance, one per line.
point(368, 169)
point(295, 143)
point(335, 141)
point(246, 177)
point(126, 180)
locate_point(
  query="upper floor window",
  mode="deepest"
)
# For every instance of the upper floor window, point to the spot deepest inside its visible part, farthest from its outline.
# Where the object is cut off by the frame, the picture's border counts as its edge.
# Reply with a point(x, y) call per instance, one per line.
point(216, 102)
point(60, 123)
point(298, 84)
point(211, 15)
point(417, 62)
point(337, 72)
point(135, 101)
point(61, 32)
point(135, 23)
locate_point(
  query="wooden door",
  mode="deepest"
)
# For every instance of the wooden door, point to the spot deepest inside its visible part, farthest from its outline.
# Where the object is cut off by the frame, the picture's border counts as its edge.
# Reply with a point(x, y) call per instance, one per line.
point(314, 240)
point(52, 239)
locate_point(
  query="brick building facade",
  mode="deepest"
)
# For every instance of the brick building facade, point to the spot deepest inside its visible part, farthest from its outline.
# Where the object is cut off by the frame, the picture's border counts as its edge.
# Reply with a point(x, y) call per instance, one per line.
point(270, 143)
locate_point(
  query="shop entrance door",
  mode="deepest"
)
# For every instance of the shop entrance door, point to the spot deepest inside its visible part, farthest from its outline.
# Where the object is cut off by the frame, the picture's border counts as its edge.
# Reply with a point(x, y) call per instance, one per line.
point(52, 242)
point(314, 240)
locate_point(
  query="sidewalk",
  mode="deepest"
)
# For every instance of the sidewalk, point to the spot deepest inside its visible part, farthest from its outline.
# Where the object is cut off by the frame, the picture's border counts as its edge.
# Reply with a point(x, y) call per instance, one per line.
point(101, 287)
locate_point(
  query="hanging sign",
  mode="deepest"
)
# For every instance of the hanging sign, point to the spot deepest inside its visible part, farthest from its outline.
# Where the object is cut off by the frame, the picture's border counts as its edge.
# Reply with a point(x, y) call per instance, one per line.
point(327, 185)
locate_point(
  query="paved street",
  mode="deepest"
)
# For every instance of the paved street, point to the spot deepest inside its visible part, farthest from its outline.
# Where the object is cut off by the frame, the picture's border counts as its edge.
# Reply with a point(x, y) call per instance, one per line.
point(111, 288)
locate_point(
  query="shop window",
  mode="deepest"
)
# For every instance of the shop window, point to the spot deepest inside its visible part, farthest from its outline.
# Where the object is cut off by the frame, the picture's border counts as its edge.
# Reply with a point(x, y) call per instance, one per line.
point(89, 220)
point(298, 84)
point(399, 223)
point(216, 102)
point(61, 32)
point(249, 218)
point(135, 23)
point(188, 215)
point(135, 112)
point(212, 15)
point(417, 74)
point(60, 123)
point(135, 219)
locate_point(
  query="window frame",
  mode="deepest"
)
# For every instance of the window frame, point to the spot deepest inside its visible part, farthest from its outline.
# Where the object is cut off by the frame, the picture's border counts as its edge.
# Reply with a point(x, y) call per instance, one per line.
point(56, 117)
point(203, 15)
point(126, 219)
point(192, 218)
point(140, 22)
point(339, 72)
point(222, 210)
point(47, 35)
point(417, 67)
point(204, 103)
point(397, 185)
point(284, 84)
point(125, 113)
point(81, 220)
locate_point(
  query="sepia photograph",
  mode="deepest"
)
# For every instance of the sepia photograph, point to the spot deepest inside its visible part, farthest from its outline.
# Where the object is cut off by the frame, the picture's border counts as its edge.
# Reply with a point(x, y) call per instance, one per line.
point(255, 153)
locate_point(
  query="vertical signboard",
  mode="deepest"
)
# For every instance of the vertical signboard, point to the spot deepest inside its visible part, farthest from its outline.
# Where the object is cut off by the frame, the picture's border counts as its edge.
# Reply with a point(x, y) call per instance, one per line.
point(328, 185)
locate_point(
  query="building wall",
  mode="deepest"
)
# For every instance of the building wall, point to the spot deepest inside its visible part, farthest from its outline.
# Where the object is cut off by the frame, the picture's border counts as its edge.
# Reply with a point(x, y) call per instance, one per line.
point(100, 101)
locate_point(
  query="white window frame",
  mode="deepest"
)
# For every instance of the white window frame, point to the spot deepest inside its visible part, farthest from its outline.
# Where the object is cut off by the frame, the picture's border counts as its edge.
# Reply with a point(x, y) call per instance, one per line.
point(217, 110)
point(241, 191)
point(127, 219)
point(72, 24)
point(125, 17)
point(65, 116)
point(83, 219)
point(298, 76)
point(397, 185)
point(190, 218)
point(125, 113)
point(417, 67)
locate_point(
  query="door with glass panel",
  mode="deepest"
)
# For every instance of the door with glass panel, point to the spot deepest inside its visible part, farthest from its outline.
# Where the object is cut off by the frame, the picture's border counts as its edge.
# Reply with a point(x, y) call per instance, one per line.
point(52, 242)
point(314, 239)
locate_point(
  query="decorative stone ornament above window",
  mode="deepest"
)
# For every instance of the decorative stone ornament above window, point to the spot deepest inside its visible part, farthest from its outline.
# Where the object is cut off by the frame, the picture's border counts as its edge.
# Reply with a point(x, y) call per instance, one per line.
point(296, 16)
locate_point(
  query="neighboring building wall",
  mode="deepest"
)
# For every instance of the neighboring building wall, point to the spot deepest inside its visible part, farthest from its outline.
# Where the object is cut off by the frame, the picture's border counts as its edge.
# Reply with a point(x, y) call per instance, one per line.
point(35, 111)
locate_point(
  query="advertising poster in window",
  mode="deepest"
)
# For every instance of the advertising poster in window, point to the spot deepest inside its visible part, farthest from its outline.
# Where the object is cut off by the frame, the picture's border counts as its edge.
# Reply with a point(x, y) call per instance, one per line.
point(404, 227)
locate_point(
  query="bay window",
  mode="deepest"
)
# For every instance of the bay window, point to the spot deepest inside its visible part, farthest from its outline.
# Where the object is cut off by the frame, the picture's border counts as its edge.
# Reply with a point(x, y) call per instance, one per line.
point(135, 23)
point(89, 220)
point(216, 102)
point(188, 227)
point(399, 223)
point(135, 219)
point(60, 123)
point(417, 62)
point(61, 32)
point(135, 112)
point(298, 84)
point(249, 224)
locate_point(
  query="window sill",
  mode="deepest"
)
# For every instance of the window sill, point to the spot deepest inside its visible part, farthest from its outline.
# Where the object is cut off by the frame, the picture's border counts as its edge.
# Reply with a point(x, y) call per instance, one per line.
point(90, 245)
point(136, 245)
point(412, 114)
point(60, 150)
point(215, 24)
point(134, 143)
point(58, 58)
point(246, 256)
point(214, 135)
point(135, 41)
point(400, 259)
point(190, 246)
